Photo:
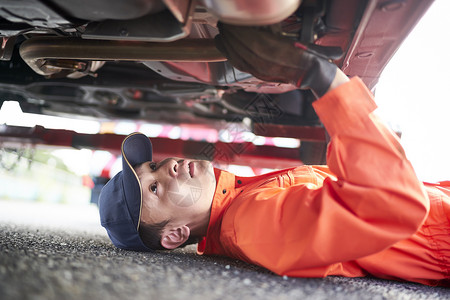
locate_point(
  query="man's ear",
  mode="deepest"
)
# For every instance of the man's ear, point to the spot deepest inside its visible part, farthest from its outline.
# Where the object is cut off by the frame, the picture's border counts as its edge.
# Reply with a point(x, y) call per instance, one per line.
point(175, 237)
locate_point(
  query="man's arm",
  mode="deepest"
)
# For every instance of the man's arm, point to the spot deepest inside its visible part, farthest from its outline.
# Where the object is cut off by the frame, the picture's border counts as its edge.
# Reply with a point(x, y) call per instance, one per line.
point(375, 200)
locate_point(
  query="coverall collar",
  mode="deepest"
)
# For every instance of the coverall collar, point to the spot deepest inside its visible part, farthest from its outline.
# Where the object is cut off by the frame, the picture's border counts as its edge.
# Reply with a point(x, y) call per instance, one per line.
point(223, 195)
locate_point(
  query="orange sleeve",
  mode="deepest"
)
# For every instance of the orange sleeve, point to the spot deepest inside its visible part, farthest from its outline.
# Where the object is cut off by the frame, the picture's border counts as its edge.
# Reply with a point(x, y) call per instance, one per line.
point(375, 201)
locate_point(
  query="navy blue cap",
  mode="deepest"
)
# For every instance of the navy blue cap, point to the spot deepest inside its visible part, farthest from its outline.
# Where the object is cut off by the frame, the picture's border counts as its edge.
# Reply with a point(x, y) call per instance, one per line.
point(120, 201)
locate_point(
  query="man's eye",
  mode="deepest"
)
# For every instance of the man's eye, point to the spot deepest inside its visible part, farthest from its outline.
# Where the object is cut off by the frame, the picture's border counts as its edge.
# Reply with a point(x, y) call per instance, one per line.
point(154, 187)
point(153, 166)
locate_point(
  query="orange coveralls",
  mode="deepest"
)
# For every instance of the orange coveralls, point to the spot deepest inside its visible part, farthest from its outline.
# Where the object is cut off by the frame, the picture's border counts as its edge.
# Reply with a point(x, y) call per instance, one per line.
point(366, 213)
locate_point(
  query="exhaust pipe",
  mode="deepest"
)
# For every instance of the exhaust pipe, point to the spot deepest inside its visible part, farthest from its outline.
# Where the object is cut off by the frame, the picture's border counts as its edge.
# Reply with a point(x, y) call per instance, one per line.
point(38, 52)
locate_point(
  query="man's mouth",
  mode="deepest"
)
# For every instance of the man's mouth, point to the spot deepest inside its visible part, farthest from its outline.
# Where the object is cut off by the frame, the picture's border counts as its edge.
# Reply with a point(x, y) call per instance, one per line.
point(188, 167)
point(191, 169)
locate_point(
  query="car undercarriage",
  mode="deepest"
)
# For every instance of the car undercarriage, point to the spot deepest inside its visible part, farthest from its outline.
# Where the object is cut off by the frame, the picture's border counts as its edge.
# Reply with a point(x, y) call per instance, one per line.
point(155, 61)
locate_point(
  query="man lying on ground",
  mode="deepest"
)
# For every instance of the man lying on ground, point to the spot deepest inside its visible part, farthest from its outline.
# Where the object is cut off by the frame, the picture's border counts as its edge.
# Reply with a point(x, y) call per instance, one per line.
point(364, 213)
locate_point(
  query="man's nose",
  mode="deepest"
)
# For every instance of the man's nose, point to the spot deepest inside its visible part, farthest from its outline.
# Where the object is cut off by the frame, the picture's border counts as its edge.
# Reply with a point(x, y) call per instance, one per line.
point(173, 168)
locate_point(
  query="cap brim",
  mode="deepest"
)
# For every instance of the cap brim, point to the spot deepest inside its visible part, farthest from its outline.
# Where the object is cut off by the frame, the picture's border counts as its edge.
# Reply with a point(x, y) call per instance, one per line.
point(136, 149)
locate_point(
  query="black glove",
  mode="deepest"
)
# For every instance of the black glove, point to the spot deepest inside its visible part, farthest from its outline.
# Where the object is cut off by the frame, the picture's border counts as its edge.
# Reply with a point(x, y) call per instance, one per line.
point(276, 58)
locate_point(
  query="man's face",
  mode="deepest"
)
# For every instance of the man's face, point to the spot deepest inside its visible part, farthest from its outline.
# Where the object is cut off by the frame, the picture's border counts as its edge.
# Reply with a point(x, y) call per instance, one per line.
point(176, 189)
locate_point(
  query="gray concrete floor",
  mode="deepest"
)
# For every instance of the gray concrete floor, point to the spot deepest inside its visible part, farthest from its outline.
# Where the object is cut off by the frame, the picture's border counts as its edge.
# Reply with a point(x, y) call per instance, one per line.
point(61, 252)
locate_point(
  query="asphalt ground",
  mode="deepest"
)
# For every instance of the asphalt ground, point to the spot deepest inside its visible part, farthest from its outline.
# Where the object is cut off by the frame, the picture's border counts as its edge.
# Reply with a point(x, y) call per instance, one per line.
point(61, 252)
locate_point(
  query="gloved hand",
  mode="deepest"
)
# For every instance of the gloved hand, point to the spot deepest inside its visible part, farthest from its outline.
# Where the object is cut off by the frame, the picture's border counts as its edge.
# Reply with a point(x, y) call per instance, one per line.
point(276, 58)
